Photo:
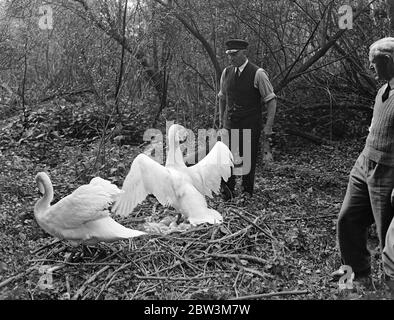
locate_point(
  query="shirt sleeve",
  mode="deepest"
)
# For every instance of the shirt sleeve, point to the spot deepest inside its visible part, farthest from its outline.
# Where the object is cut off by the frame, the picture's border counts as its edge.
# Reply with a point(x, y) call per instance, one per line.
point(222, 92)
point(264, 85)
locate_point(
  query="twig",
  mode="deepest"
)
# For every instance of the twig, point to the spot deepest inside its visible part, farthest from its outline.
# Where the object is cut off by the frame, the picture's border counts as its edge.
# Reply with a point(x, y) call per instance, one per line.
point(254, 224)
point(232, 235)
point(178, 256)
point(46, 246)
point(136, 290)
point(267, 295)
point(68, 287)
point(77, 263)
point(176, 279)
point(235, 282)
point(150, 289)
point(230, 206)
point(91, 279)
point(310, 218)
point(112, 276)
point(239, 257)
point(257, 273)
point(16, 277)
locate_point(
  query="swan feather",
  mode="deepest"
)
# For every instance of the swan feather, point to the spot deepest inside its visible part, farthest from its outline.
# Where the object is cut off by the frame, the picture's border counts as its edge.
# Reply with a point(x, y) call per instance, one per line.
point(146, 176)
point(207, 173)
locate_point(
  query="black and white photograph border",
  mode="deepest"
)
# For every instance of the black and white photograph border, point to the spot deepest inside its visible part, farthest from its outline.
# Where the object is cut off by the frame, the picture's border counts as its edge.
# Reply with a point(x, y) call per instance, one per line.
point(196, 156)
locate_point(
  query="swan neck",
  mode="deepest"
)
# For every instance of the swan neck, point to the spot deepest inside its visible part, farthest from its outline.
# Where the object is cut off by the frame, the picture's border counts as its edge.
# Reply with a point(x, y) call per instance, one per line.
point(44, 203)
point(175, 156)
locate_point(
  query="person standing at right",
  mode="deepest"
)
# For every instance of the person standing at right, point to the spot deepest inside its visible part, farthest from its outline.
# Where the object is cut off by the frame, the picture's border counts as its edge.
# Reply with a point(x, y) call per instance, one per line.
point(371, 181)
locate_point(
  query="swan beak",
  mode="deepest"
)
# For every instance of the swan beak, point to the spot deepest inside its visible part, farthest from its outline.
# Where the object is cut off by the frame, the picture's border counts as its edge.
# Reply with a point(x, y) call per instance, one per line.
point(183, 137)
point(183, 140)
point(179, 218)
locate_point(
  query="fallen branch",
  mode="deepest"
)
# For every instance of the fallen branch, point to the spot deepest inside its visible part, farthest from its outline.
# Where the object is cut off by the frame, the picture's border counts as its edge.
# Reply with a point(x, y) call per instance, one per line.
point(263, 275)
point(46, 246)
point(267, 295)
point(16, 277)
point(232, 235)
point(177, 279)
point(239, 257)
point(253, 223)
point(112, 277)
point(91, 279)
point(310, 218)
point(77, 263)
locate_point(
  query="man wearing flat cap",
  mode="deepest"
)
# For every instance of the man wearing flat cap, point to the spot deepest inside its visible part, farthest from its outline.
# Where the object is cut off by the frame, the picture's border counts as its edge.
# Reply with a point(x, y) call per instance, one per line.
point(371, 181)
point(244, 89)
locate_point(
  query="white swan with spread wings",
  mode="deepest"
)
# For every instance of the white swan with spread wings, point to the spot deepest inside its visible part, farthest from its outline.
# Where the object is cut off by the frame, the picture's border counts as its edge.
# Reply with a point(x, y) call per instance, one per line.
point(175, 184)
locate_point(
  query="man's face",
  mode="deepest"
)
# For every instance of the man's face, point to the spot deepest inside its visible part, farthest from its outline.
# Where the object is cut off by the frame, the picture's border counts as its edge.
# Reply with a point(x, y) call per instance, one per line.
point(383, 66)
point(236, 58)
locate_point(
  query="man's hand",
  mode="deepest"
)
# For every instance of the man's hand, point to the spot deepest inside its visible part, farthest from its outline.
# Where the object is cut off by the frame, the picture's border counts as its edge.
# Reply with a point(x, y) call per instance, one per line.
point(268, 130)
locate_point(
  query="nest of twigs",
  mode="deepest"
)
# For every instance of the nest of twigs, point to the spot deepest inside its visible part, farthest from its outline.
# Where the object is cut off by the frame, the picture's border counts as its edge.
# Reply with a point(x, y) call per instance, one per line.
point(230, 260)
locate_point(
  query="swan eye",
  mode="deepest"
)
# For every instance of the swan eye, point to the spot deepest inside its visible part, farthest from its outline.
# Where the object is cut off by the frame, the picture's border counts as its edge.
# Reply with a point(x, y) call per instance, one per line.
point(182, 136)
point(41, 189)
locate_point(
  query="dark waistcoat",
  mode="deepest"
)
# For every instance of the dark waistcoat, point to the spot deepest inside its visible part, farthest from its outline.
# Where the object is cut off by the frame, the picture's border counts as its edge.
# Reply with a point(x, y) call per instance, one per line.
point(242, 98)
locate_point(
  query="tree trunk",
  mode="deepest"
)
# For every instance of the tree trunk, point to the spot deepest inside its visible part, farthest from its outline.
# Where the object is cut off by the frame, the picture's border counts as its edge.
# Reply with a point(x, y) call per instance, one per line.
point(390, 12)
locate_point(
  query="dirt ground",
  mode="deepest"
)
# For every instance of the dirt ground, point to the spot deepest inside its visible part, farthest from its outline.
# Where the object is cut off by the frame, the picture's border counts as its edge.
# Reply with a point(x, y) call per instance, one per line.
point(278, 245)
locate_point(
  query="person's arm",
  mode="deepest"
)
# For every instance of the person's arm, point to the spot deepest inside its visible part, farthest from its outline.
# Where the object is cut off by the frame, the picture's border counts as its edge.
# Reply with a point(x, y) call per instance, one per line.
point(269, 98)
point(222, 101)
point(271, 111)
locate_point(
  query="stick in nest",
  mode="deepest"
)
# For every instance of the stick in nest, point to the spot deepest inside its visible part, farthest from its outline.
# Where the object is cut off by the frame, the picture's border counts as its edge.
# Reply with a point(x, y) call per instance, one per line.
point(91, 279)
point(267, 295)
point(46, 246)
point(254, 224)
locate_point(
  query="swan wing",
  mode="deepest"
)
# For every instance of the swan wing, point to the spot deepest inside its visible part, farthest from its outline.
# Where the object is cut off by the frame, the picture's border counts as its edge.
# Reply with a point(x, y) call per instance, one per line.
point(109, 187)
point(105, 229)
point(207, 174)
point(146, 176)
point(87, 203)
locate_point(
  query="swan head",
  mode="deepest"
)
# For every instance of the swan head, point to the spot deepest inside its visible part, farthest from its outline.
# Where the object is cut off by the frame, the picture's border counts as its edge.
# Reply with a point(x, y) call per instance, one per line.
point(177, 133)
point(42, 179)
point(44, 185)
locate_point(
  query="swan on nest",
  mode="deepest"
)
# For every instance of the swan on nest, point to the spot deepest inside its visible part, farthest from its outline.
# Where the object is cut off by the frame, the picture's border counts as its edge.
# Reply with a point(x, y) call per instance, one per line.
point(83, 216)
point(175, 184)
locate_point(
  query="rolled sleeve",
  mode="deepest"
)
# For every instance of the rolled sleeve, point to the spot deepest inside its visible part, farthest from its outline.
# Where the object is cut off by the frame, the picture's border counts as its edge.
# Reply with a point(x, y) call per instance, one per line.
point(221, 94)
point(264, 85)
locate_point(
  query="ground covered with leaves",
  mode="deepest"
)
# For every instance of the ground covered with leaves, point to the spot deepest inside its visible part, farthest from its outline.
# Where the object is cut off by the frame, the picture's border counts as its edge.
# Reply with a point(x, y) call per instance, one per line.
point(278, 245)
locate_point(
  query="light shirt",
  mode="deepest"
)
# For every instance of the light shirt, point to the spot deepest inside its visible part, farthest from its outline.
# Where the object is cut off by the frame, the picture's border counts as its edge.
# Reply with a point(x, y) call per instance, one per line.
point(242, 67)
point(391, 82)
point(379, 96)
point(261, 82)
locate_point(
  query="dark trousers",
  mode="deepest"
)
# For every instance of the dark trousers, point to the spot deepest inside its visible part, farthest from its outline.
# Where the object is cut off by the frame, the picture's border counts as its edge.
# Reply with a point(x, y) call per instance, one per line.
point(367, 200)
point(253, 123)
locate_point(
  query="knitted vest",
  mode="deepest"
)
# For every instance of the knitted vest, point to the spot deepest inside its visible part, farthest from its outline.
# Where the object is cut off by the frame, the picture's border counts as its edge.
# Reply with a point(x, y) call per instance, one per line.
point(379, 146)
point(242, 97)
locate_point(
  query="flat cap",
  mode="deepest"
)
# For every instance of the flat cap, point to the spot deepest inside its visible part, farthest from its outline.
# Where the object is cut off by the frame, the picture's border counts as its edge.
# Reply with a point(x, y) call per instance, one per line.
point(384, 46)
point(234, 45)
